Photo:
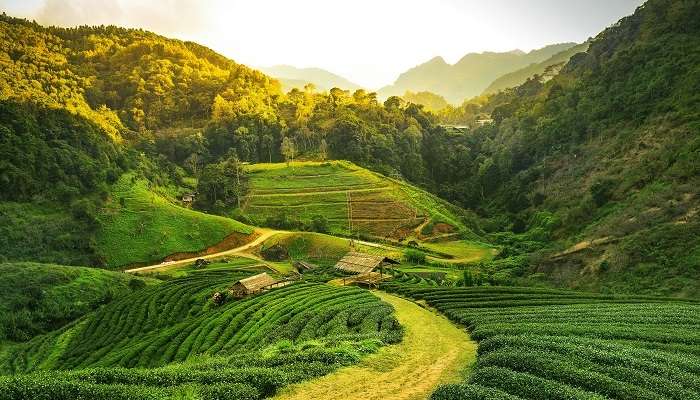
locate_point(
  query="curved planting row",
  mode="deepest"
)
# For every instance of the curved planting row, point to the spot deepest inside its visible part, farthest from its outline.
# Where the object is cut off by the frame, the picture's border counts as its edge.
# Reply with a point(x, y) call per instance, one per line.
point(171, 337)
point(557, 344)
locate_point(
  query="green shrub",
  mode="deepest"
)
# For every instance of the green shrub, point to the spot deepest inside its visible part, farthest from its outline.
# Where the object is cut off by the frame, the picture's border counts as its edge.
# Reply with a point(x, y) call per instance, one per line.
point(414, 256)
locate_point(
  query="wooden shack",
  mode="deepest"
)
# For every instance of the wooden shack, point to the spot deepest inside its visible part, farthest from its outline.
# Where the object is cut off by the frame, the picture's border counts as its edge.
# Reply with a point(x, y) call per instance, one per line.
point(302, 266)
point(361, 263)
point(251, 285)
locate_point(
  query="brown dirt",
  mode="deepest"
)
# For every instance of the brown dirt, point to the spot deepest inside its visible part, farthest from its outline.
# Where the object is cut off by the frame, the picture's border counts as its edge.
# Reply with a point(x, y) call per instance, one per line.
point(231, 241)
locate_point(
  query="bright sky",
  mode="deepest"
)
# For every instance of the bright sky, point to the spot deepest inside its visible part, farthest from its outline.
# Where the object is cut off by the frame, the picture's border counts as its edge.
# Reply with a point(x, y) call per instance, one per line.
point(369, 42)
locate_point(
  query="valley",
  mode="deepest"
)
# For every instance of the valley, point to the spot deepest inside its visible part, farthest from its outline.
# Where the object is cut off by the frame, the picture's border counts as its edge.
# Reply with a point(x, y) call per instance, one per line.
point(517, 225)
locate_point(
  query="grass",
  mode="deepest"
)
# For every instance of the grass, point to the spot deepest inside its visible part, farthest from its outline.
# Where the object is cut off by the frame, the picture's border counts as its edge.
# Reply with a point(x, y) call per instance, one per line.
point(433, 352)
point(354, 200)
point(38, 298)
point(139, 226)
point(465, 251)
point(320, 248)
point(544, 343)
point(168, 339)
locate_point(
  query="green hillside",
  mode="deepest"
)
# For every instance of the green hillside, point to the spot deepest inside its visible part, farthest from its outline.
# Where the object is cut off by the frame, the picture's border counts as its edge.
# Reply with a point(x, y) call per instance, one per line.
point(38, 298)
point(177, 341)
point(139, 226)
point(541, 343)
point(596, 170)
point(351, 199)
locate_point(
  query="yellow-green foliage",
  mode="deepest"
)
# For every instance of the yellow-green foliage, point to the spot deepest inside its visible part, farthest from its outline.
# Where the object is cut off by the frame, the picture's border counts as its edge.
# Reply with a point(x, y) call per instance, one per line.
point(139, 226)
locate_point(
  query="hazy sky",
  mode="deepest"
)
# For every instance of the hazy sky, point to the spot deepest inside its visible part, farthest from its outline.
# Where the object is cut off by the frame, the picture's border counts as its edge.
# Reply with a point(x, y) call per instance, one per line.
point(367, 41)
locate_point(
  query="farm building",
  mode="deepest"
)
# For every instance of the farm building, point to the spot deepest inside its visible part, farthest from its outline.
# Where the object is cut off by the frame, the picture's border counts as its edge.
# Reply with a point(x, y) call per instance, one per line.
point(252, 285)
point(304, 266)
point(361, 263)
point(188, 198)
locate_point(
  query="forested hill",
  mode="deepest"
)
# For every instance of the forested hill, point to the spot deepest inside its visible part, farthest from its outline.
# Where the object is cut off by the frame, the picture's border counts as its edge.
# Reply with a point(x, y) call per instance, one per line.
point(599, 164)
point(606, 154)
point(149, 81)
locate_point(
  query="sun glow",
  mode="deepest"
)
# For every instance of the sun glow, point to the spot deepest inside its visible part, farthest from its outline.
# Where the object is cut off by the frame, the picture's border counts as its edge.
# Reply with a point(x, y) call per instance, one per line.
point(367, 41)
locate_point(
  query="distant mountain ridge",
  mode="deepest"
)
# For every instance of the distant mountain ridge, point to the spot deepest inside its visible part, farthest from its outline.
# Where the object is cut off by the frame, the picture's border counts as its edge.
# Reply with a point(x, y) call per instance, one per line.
point(519, 77)
point(470, 76)
point(293, 77)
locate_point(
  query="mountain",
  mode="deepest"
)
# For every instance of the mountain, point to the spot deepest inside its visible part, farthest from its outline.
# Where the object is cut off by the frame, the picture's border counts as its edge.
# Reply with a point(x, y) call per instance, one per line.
point(549, 66)
point(469, 76)
point(293, 77)
point(596, 171)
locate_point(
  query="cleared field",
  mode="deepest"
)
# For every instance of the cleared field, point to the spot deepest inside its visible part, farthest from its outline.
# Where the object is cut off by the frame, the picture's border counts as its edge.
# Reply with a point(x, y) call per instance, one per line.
point(170, 340)
point(352, 199)
point(555, 344)
point(462, 250)
point(139, 226)
point(320, 248)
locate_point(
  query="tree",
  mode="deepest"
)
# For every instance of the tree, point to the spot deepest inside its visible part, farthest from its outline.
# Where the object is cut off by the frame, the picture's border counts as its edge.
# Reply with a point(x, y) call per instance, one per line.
point(323, 150)
point(192, 163)
point(234, 170)
point(267, 142)
point(288, 149)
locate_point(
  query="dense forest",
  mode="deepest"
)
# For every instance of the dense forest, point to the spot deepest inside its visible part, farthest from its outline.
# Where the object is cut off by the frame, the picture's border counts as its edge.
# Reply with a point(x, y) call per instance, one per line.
point(607, 148)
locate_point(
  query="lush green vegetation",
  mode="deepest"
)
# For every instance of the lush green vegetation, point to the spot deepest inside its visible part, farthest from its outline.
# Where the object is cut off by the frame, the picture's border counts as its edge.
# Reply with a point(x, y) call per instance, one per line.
point(38, 298)
point(543, 343)
point(45, 232)
point(342, 198)
point(139, 226)
point(246, 348)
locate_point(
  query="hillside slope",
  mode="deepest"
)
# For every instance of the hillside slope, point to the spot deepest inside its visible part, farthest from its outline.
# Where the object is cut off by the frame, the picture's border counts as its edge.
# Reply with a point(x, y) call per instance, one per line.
point(601, 164)
point(172, 341)
point(469, 76)
point(351, 199)
point(38, 298)
point(139, 226)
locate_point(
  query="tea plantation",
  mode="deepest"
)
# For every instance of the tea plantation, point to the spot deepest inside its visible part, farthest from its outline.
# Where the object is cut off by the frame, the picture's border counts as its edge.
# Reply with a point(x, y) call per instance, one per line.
point(171, 340)
point(555, 344)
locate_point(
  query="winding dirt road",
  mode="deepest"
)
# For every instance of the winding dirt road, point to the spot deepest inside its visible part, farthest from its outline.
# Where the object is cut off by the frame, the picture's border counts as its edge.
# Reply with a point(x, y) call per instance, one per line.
point(241, 250)
point(434, 351)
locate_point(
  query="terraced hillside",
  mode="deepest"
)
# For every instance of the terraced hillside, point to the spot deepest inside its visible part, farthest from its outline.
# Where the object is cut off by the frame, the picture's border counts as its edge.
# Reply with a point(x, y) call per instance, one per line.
point(38, 298)
point(141, 226)
point(352, 200)
point(540, 343)
point(171, 339)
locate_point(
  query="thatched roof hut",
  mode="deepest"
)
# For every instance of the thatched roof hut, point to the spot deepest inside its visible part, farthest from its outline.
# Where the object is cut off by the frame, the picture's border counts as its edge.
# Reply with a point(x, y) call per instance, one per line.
point(361, 263)
point(252, 284)
point(304, 266)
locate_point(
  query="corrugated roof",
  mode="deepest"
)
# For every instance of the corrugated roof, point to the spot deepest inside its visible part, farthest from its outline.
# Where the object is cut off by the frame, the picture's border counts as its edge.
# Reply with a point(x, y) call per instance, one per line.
point(360, 263)
point(257, 282)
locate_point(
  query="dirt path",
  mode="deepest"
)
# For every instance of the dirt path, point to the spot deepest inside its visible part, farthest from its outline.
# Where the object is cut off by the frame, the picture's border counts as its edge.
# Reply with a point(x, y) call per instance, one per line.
point(433, 351)
point(241, 250)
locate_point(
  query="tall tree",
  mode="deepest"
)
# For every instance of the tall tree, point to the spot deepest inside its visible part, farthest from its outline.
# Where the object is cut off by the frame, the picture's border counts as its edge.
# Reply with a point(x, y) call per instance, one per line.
point(288, 149)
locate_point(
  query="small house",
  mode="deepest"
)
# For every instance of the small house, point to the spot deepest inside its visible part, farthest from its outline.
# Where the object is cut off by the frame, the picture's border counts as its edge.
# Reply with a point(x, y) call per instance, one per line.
point(361, 263)
point(302, 266)
point(251, 285)
point(188, 198)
